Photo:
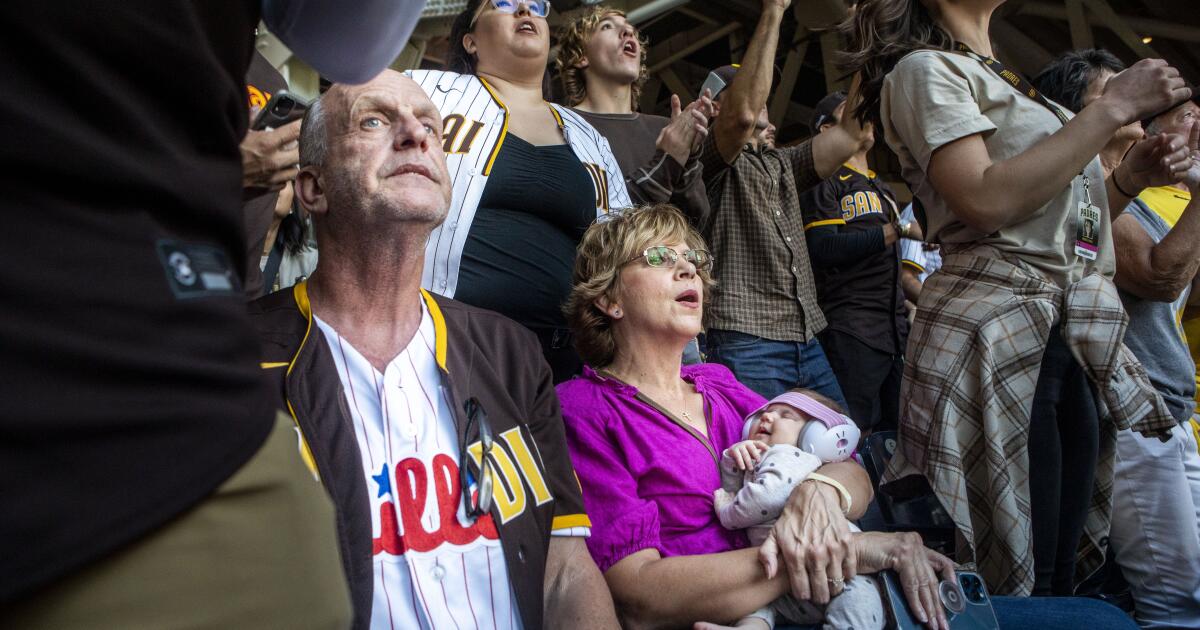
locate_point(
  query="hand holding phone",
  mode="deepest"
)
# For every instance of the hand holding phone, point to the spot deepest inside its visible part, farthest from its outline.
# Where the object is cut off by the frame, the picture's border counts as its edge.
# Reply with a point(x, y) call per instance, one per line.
point(283, 108)
point(965, 601)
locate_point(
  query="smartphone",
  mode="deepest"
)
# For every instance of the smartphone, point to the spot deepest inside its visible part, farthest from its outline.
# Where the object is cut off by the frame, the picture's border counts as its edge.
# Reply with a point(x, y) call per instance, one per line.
point(965, 600)
point(283, 108)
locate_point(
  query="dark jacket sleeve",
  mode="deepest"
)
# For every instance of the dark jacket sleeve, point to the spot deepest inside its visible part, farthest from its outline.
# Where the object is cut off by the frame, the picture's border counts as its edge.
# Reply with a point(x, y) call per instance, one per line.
point(546, 424)
point(829, 246)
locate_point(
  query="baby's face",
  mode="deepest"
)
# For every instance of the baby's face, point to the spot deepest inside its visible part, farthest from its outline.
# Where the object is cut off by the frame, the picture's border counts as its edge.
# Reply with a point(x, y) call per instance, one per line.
point(779, 424)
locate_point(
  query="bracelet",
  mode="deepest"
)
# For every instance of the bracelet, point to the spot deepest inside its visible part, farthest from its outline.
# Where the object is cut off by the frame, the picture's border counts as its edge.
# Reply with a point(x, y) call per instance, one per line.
point(1117, 184)
point(837, 485)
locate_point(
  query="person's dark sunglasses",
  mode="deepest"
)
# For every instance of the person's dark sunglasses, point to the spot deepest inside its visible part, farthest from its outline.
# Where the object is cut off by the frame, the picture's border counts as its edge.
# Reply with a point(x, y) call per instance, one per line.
point(481, 502)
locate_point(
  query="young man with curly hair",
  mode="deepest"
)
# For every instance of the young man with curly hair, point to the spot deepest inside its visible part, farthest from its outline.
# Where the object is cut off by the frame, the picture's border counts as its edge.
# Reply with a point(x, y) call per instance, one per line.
point(602, 62)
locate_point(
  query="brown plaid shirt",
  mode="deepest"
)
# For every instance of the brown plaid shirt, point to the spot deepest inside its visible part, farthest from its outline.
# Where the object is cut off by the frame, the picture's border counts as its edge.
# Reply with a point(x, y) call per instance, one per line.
point(969, 379)
point(755, 230)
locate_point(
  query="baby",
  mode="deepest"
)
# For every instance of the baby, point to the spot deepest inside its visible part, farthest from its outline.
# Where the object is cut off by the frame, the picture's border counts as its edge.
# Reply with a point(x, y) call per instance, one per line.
point(786, 440)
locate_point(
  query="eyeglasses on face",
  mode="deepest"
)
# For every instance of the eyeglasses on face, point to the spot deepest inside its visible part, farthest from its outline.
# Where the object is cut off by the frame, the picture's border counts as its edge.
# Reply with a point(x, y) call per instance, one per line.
point(481, 502)
point(663, 256)
point(538, 8)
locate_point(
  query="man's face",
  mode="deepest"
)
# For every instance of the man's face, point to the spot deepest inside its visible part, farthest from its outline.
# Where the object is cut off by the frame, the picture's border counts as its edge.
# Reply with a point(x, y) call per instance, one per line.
point(614, 50)
point(385, 153)
point(1176, 121)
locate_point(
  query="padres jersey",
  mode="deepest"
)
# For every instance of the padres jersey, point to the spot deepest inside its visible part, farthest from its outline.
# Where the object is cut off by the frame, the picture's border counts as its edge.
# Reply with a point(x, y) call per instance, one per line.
point(434, 567)
point(915, 254)
point(862, 298)
point(474, 125)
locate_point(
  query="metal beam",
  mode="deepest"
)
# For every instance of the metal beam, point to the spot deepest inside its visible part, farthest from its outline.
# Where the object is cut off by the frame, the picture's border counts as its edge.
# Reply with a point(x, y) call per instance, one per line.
point(1114, 23)
point(831, 43)
point(676, 85)
point(652, 9)
point(696, 15)
point(1019, 49)
point(1142, 26)
point(1081, 31)
point(787, 82)
point(663, 54)
point(649, 99)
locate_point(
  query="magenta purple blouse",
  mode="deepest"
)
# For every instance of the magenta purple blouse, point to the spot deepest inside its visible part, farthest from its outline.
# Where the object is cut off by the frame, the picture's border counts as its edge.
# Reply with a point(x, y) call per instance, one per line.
point(647, 482)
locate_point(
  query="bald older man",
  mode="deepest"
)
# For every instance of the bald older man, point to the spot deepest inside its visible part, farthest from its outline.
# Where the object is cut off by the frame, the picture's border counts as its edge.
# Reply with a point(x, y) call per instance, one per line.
point(388, 383)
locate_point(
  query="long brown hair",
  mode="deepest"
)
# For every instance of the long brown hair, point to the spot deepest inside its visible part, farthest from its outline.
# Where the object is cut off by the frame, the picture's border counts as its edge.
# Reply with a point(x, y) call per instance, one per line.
point(878, 34)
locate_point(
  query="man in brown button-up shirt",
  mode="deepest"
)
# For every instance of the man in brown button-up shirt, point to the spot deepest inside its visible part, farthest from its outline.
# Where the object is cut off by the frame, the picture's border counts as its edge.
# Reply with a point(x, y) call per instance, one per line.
point(764, 314)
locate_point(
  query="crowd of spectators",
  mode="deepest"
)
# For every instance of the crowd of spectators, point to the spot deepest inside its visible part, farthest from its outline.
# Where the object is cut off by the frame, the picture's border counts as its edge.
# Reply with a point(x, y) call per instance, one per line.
point(572, 365)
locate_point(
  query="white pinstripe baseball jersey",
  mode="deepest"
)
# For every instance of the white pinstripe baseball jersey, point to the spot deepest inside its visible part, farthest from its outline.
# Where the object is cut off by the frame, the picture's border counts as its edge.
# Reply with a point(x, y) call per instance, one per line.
point(433, 567)
point(475, 123)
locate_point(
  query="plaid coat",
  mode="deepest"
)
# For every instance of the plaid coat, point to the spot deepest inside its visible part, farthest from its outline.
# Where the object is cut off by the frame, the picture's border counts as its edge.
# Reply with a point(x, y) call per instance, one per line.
point(972, 366)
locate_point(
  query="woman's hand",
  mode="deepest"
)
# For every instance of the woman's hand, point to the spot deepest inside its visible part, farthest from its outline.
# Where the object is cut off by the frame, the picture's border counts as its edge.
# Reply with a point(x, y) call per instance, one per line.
point(920, 570)
point(1160, 160)
point(747, 453)
point(814, 538)
point(1144, 89)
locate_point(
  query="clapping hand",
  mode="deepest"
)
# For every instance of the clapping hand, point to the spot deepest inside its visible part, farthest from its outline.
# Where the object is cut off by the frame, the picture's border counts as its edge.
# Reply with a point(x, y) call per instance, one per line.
point(1191, 176)
point(688, 127)
point(1145, 89)
point(1160, 160)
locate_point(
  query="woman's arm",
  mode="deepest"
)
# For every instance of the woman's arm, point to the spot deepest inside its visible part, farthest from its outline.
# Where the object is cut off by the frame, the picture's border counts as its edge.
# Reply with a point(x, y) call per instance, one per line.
point(814, 536)
point(655, 592)
point(989, 195)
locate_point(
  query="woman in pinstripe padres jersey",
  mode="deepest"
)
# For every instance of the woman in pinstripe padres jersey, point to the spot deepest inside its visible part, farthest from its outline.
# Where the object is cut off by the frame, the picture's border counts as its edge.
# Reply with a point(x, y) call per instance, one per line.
point(528, 176)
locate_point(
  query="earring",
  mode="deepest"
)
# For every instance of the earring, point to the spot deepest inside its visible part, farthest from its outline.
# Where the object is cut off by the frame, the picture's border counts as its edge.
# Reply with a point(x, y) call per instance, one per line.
point(616, 312)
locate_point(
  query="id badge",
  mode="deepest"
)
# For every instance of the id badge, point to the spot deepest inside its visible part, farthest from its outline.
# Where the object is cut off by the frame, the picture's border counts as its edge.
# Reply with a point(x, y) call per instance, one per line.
point(1087, 231)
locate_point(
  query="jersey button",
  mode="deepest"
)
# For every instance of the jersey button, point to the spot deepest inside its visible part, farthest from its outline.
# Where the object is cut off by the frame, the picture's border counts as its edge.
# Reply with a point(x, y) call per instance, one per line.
point(410, 430)
point(438, 572)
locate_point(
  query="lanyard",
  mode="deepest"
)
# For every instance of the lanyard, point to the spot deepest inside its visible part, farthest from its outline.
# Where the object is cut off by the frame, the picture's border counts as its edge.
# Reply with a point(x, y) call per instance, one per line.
point(1012, 78)
point(1086, 238)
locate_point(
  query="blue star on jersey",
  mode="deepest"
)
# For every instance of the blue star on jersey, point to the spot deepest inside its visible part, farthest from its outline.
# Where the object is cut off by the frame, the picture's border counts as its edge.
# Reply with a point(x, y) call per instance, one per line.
point(385, 483)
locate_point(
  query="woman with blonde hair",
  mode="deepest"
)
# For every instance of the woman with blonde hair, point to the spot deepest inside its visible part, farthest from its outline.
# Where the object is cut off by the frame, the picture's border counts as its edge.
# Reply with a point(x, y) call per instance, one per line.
point(646, 433)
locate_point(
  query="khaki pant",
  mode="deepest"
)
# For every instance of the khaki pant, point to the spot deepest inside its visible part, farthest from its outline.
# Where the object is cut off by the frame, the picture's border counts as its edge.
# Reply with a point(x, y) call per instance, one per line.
point(261, 552)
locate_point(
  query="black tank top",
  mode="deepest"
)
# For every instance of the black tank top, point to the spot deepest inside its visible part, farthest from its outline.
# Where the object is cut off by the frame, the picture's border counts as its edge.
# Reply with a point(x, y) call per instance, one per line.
point(519, 253)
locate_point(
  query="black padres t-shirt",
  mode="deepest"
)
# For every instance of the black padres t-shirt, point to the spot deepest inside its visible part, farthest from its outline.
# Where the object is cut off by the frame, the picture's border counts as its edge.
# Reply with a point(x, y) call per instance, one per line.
point(130, 379)
point(862, 298)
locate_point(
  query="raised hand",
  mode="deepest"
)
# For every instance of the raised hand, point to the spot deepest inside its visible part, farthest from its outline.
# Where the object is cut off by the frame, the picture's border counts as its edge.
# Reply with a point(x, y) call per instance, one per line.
point(1191, 177)
point(687, 129)
point(269, 158)
point(1159, 160)
point(1146, 88)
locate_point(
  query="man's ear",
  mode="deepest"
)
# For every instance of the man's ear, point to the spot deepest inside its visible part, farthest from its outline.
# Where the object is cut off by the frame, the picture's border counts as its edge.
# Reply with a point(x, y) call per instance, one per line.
point(468, 43)
point(311, 193)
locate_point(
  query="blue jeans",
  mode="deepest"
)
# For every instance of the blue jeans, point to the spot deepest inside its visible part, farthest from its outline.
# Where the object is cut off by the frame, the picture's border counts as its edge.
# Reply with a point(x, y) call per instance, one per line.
point(771, 367)
point(1050, 613)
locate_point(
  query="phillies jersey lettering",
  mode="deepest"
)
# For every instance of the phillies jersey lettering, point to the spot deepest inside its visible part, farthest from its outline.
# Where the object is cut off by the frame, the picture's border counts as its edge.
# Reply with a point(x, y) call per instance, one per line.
point(434, 567)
